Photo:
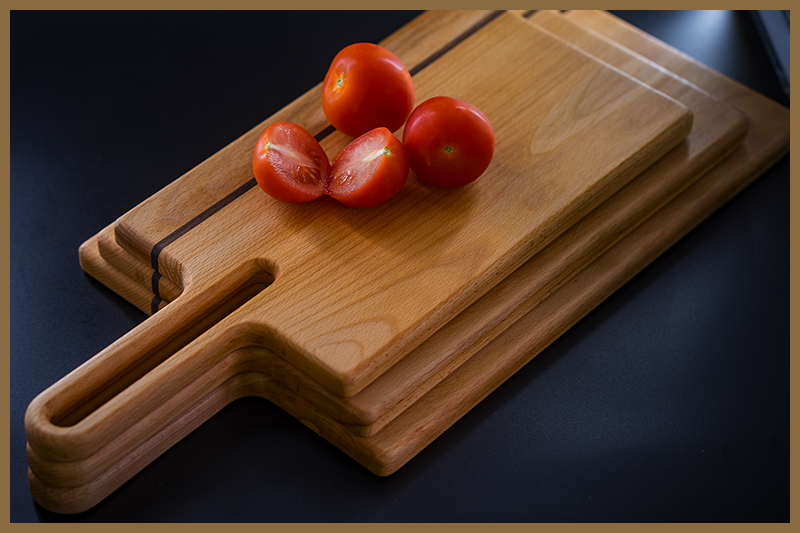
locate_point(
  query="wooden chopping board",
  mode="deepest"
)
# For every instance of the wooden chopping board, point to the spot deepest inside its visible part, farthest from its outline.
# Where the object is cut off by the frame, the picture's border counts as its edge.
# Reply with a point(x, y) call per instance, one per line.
point(717, 130)
point(762, 146)
point(356, 290)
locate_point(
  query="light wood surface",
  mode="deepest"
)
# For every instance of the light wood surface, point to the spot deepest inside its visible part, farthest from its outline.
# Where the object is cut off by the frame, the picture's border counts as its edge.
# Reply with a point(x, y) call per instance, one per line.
point(717, 130)
point(427, 418)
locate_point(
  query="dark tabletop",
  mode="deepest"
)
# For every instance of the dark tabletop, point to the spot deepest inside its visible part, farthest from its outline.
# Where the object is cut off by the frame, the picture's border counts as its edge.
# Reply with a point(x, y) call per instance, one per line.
point(669, 402)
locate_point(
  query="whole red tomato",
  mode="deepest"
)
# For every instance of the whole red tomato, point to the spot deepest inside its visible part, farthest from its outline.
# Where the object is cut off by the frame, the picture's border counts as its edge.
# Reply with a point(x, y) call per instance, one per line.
point(370, 170)
point(289, 164)
point(367, 87)
point(449, 142)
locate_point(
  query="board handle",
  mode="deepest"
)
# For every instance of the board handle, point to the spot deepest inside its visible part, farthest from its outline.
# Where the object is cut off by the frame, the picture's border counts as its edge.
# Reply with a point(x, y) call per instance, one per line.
point(119, 386)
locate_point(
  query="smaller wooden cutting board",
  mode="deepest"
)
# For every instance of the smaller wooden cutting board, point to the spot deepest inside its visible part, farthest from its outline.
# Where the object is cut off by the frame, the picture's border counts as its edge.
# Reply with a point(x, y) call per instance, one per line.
point(355, 290)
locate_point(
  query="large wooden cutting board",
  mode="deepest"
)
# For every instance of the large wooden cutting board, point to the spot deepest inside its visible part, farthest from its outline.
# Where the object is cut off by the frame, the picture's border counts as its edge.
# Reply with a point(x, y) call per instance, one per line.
point(428, 417)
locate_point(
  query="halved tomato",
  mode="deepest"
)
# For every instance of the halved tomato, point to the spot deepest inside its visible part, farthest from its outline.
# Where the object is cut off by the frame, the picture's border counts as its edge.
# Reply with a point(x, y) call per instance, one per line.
point(370, 170)
point(289, 164)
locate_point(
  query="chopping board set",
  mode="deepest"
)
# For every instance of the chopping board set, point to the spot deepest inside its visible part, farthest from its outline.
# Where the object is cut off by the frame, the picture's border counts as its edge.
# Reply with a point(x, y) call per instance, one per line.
point(379, 328)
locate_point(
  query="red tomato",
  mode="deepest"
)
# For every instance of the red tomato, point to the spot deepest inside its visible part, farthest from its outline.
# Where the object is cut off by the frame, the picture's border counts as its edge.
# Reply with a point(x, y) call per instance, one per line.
point(367, 87)
point(370, 170)
point(289, 164)
point(449, 142)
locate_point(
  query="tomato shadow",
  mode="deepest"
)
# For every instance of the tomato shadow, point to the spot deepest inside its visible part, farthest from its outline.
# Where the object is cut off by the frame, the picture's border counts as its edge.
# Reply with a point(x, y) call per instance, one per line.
point(420, 219)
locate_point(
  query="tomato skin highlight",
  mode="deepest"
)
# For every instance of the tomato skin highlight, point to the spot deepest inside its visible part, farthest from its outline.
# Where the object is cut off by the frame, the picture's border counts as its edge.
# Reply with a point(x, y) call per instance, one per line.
point(367, 87)
point(370, 170)
point(289, 164)
point(450, 143)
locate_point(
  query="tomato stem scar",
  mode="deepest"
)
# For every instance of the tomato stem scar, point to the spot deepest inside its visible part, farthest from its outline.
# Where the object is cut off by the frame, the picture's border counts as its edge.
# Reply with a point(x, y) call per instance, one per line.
point(340, 81)
point(448, 149)
point(377, 153)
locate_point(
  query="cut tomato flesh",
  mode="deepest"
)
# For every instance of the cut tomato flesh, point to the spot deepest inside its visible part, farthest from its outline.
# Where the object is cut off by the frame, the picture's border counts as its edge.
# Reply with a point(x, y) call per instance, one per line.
point(289, 164)
point(358, 163)
point(370, 170)
point(296, 167)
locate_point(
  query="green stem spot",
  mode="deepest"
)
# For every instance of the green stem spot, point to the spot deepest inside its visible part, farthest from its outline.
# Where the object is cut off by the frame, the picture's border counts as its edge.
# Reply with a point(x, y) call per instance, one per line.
point(386, 151)
point(339, 82)
point(448, 149)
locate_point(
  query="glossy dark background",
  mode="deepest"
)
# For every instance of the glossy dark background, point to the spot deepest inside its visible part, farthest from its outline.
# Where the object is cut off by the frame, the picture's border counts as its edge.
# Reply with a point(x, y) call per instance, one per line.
point(670, 402)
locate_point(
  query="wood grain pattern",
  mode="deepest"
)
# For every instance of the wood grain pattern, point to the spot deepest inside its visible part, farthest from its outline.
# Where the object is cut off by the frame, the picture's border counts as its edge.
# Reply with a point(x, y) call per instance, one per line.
point(716, 132)
point(418, 425)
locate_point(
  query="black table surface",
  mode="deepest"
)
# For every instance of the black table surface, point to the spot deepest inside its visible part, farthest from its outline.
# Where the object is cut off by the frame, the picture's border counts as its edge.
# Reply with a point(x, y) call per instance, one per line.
point(668, 403)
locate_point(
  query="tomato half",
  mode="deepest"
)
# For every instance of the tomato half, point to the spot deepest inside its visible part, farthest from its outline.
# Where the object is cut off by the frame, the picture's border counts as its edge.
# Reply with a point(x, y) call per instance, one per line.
point(367, 87)
point(289, 164)
point(450, 143)
point(370, 170)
